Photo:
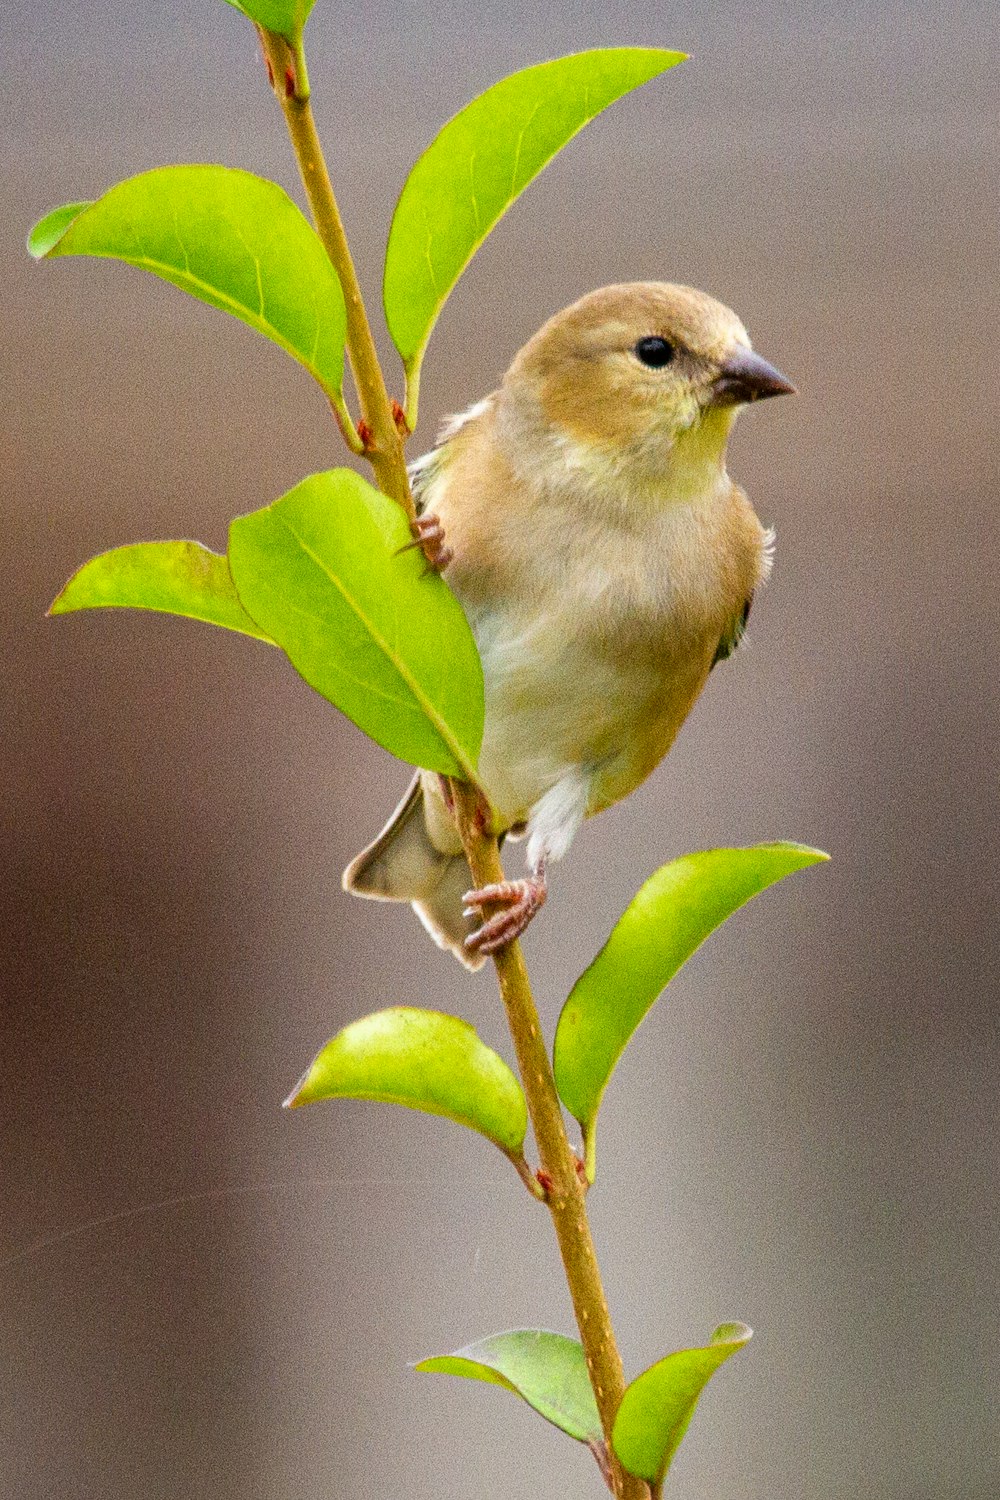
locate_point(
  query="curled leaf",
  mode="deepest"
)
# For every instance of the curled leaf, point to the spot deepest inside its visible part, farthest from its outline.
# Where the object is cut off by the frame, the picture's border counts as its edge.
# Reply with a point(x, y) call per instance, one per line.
point(657, 1407)
point(547, 1370)
point(426, 1061)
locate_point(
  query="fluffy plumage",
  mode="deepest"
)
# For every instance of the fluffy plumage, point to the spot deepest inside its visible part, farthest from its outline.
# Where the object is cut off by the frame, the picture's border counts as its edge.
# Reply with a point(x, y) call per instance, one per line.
point(605, 561)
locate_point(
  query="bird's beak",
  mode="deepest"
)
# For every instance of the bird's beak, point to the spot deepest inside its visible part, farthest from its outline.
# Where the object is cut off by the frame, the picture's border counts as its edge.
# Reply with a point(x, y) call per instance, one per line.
point(746, 376)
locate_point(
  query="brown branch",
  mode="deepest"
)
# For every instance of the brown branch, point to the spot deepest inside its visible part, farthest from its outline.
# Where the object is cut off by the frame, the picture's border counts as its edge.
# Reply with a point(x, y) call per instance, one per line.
point(566, 1194)
point(564, 1190)
point(383, 445)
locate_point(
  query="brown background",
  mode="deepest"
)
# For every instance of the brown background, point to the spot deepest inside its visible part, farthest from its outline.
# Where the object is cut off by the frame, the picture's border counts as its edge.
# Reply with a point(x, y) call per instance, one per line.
point(201, 1296)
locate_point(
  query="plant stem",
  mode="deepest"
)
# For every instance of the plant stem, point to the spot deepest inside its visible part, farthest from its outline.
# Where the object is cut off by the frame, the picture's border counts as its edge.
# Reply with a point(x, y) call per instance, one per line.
point(565, 1192)
point(566, 1195)
point(384, 444)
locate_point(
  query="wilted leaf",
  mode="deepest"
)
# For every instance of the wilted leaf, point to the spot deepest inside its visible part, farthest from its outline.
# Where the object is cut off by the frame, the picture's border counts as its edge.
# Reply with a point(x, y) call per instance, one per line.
point(178, 578)
point(665, 923)
point(546, 1370)
point(479, 163)
point(366, 624)
point(285, 17)
point(229, 238)
point(659, 1404)
point(427, 1061)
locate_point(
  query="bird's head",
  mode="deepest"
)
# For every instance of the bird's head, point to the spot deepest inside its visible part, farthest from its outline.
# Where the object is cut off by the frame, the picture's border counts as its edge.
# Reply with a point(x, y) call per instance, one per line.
point(638, 380)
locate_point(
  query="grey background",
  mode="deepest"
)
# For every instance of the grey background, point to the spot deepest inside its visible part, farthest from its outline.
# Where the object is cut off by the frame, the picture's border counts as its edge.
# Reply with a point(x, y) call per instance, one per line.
point(201, 1296)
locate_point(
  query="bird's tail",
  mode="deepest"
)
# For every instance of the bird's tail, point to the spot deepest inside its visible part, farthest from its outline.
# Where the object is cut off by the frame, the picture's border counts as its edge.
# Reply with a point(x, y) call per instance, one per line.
point(403, 864)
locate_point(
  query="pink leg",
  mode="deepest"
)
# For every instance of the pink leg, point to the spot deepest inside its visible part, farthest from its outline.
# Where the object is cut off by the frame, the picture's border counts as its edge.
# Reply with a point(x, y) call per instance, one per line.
point(519, 901)
point(428, 535)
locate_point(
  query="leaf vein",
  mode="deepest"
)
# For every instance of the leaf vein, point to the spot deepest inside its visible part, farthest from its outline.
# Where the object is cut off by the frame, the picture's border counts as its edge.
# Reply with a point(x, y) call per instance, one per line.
point(474, 198)
point(513, 191)
point(427, 255)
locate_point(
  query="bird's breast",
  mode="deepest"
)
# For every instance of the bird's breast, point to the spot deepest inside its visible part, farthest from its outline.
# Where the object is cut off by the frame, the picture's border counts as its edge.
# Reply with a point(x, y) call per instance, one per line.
point(595, 655)
point(597, 611)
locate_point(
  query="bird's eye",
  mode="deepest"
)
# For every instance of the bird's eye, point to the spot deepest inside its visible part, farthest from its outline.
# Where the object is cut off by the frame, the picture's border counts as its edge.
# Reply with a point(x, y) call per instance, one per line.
point(655, 352)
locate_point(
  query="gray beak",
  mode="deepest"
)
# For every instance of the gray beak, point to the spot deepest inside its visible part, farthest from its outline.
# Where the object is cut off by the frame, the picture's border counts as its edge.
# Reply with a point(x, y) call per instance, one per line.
point(746, 376)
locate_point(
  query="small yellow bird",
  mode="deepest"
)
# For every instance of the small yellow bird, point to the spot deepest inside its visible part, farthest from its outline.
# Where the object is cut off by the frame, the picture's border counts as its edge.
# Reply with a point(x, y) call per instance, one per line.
point(583, 515)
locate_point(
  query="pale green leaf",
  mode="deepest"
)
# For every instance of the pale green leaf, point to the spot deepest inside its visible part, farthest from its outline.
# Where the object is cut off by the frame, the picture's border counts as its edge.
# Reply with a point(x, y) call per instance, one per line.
point(657, 1407)
point(547, 1370)
point(177, 578)
point(426, 1061)
point(367, 624)
point(230, 239)
point(480, 162)
point(665, 923)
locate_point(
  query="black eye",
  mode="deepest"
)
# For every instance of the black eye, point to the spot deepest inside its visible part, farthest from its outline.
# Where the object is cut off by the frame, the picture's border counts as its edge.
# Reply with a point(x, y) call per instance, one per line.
point(655, 352)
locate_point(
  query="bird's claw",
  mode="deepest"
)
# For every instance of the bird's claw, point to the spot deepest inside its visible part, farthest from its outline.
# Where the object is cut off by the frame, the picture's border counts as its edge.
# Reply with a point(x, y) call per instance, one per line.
point(428, 535)
point(519, 901)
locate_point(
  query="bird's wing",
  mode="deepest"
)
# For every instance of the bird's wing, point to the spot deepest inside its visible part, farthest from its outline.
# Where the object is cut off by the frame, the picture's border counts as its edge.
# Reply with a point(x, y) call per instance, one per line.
point(422, 474)
point(424, 470)
point(733, 634)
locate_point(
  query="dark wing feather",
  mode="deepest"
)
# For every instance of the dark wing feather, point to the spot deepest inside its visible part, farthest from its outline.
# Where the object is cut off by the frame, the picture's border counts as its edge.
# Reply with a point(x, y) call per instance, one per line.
point(733, 634)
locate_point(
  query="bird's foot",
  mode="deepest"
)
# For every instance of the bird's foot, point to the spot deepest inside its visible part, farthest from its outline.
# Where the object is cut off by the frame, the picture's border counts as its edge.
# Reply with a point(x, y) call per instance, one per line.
point(428, 535)
point(519, 901)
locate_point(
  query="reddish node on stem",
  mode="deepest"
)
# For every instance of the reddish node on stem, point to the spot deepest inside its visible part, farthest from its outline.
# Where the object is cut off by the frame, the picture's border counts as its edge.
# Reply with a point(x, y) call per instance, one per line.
point(366, 435)
point(289, 82)
point(399, 417)
point(544, 1181)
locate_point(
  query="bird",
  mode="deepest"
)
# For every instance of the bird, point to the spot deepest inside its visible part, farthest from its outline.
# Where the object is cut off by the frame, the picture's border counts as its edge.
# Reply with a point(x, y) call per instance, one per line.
point(606, 562)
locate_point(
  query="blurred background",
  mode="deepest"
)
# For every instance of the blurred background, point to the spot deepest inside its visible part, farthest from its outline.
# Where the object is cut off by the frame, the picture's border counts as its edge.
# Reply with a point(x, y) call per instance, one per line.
point(204, 1297)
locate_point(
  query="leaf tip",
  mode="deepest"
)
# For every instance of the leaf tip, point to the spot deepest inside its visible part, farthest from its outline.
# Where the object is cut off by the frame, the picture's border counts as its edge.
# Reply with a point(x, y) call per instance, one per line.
point(63, 603)
point(295, 1099)
point(811, 855)
point(732, 1333)
point(46, 234)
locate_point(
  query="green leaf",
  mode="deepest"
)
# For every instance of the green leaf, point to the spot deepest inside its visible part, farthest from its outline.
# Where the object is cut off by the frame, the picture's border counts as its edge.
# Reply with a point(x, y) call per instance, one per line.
point(366, 624)
point(659, 1404)
point(480, 162)
point(178, 578)
point(546, 1370)
point(665, 923)
point(427, 1061)
point(49, 231)
point(229, 238)
point(285, 17)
